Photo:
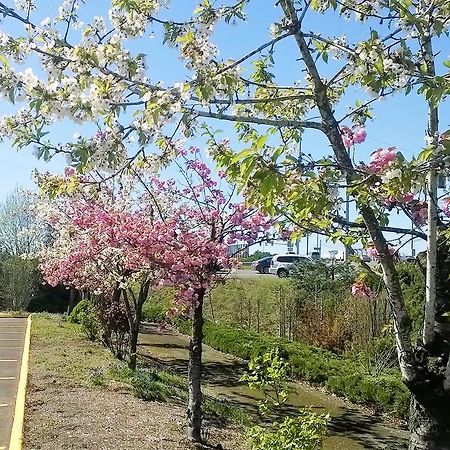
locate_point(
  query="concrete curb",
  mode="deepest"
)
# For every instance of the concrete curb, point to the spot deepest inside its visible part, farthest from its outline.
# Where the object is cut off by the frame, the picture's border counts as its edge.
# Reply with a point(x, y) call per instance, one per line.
point(15, 442)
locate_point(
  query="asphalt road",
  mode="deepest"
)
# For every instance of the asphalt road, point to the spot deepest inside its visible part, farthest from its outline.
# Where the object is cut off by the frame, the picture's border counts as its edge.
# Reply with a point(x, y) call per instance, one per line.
point(12, 337)
point(249, 273)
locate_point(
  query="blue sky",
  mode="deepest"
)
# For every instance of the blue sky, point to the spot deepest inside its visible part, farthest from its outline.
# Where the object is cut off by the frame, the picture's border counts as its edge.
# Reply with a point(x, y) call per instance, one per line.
point(399, 121)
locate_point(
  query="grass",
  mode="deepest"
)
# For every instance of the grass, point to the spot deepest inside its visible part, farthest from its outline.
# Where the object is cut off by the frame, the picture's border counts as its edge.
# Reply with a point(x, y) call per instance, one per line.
point(66, 354)
point(250, 303)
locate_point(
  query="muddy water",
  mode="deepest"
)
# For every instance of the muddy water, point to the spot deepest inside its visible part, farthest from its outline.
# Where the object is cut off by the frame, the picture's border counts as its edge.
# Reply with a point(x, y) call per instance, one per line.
point(351, 428)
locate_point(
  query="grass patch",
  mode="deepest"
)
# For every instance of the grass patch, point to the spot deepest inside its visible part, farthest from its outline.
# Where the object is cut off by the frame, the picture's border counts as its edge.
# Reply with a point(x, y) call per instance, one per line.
point(59, 349)
point(251, 303)
point(63, 351)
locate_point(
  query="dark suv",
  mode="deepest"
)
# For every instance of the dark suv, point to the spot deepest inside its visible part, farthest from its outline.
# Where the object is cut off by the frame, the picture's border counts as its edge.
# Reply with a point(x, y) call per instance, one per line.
point(262, 265)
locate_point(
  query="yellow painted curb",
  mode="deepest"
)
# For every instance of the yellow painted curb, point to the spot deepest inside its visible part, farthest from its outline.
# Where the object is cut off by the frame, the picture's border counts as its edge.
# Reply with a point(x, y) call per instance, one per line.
point(15, 442)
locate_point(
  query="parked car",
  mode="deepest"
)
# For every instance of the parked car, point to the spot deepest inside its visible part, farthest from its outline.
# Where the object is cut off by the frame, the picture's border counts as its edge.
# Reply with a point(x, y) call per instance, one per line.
point(262, 265)
point(281, 264)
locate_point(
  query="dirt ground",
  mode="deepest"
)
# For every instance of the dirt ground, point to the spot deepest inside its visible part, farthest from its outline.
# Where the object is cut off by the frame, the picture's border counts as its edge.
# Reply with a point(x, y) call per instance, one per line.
point(60, 416)
point(65, 414)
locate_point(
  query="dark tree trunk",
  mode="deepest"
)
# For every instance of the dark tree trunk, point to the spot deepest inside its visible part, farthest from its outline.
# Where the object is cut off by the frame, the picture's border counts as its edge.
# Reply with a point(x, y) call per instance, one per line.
point(136, 324)
point(71, 300)
point(134, 335)
point(194, 411)
point(429, 422)
point(430, 406)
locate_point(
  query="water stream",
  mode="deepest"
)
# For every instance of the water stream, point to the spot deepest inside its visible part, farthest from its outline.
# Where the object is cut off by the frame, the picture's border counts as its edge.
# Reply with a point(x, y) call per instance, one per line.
point(351, 427)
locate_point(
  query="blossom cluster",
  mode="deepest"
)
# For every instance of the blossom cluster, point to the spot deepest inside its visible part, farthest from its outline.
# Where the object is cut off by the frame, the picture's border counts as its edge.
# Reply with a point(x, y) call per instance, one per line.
point(352, 136)
point(381, 159)
point(372, 252)
point(168, 234)
point(361, 290)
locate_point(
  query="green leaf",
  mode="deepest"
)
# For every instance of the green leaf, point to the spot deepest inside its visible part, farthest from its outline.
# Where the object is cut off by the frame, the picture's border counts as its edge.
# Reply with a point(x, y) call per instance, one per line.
point(267, 184)
point(261, 141)
point(241, 155)
point(4, 61)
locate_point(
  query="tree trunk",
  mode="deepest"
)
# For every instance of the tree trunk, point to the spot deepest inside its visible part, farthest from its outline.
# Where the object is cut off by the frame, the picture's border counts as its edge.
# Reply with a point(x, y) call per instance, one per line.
point(134, 334)
point(71, 304)
point(429, 422)
point(136, 324)
point(194, 411)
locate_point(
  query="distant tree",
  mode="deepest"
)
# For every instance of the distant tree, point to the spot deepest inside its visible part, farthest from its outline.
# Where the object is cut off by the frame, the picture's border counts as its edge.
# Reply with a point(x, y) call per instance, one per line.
point(21, 235)
point(19, 282)
point(20, 230)
point(257, 256)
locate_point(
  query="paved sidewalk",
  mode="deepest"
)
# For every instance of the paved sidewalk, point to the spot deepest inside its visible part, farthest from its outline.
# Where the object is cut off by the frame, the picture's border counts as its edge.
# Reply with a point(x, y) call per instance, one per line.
point(12, 337)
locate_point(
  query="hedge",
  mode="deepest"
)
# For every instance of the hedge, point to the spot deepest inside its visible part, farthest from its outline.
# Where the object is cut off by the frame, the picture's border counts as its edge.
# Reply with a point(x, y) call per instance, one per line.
point(339, 375)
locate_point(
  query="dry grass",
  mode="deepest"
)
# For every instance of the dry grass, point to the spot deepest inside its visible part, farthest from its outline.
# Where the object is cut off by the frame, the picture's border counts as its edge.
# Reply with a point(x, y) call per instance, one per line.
point(64, 410)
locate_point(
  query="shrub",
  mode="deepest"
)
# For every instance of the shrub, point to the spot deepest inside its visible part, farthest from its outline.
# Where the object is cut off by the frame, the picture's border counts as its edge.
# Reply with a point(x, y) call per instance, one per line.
point(304, 432)
point(89, 324)
point(387, 392)
point(412, 280)
point(114, 325)
point(269, 374)
point(155, 308)
point(82, 306)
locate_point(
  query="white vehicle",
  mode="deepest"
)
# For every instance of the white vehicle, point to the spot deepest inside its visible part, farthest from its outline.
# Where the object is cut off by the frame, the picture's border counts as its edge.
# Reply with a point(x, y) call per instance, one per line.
point(281, 264)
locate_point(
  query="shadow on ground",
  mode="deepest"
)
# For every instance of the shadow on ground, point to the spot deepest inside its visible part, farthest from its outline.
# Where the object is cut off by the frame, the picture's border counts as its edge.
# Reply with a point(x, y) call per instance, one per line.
point(351, 427)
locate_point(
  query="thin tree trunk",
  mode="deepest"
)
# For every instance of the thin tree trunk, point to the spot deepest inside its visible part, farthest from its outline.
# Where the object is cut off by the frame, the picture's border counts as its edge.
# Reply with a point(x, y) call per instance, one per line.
point(136, 324)
point(431, 274)
point(71, 304)
point(402, 323)
point(194, 411)
point(134, 335)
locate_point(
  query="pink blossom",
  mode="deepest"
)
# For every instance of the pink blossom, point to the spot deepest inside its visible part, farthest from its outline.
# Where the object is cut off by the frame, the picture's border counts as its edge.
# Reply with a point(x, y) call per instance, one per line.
point(390, 201)
point(419, 213)
point(407, 198)
point(373, 252)
point(361, 290)
point(381, 158)
point(446, 206)
point(69, 171)
point(355, 135)
point(359, 136)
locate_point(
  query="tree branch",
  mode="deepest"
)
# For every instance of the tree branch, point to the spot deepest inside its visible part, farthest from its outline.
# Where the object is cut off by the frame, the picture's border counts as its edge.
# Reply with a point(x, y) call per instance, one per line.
point(402, 321)
point(415, 233)
point(258, 120)
point(253, 52)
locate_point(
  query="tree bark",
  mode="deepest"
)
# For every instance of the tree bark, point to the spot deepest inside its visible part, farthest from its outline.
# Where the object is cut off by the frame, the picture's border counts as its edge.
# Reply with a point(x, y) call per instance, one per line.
point(134, 335)
point(71, 304)
point(194, 411)
point(429, 423)
point(136, 324)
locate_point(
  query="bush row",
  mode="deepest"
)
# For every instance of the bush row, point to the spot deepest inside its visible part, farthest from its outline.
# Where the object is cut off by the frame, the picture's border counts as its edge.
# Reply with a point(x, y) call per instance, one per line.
point(339, 375)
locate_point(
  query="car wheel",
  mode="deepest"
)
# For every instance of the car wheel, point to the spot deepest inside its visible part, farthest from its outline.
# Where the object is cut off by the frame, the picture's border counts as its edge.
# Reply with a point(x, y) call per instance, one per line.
point(266, 270)
point(283, 273)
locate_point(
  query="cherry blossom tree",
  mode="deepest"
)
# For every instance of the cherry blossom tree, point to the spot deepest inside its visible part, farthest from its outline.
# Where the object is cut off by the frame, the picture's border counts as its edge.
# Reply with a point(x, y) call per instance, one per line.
point(143, 232)
point(89, 74)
